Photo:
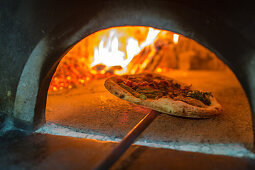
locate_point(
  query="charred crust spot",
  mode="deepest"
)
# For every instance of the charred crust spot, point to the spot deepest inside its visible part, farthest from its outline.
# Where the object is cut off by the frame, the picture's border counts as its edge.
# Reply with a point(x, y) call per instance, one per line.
point(122, 96)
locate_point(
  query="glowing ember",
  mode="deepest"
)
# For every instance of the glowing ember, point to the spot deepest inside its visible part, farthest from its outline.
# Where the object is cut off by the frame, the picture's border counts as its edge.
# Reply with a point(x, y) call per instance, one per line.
point(159, 70)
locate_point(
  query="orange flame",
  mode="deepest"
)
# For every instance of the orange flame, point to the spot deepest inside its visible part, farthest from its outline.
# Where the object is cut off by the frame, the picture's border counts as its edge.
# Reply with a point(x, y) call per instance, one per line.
point(176, 38)
point(109, 54)
point(105, 53)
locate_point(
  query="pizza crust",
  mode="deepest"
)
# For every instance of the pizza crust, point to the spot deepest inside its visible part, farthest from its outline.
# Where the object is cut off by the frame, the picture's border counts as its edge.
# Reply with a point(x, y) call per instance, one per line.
point(166, 105)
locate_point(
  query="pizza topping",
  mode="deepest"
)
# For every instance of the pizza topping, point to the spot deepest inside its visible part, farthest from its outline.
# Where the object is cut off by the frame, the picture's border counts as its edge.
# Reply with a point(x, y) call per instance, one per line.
point(130, 90)
point(190, 101)
point(147, 86)
point(202, 96)
point(149, 75)
point(142, 96)
point(118, 80)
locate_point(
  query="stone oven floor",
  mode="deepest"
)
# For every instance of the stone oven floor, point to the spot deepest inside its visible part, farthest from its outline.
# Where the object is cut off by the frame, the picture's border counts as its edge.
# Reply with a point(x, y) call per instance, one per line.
point(94, 112)
point(43, 151)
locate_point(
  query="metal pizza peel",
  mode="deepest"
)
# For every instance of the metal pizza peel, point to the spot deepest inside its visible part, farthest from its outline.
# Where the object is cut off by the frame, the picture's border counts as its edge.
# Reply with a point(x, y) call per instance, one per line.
point(128, 140)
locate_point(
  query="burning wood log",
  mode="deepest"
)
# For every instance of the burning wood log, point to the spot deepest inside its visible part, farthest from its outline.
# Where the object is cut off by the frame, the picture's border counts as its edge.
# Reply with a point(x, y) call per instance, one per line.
point(152, 56)
point(134, 66)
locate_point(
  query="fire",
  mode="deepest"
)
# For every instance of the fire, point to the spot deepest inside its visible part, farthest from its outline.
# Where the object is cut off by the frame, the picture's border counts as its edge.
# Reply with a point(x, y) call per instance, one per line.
point(176, 38)
point(128, 50)
point(159, 70)
point(107, 52)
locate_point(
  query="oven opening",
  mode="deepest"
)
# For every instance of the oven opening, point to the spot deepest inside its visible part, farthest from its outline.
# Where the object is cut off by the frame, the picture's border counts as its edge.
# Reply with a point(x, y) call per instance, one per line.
point(79, 105)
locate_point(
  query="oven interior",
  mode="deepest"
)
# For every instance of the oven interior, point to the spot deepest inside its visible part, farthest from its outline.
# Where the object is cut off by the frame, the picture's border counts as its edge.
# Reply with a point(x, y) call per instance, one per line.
point(79, 103)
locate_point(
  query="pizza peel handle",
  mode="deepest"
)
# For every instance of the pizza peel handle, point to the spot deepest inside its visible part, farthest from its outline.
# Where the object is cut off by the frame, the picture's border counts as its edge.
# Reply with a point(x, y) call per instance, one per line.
point(127, 141)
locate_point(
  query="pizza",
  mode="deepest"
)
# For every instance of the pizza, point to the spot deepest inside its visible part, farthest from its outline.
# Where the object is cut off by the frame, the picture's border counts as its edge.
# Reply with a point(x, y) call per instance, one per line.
point(164, 94)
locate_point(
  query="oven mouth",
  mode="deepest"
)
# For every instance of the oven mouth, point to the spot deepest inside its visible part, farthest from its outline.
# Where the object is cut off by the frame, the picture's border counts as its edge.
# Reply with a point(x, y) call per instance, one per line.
point(130, 50)
point(233, 149)
point(197, 140)
point(31, 95)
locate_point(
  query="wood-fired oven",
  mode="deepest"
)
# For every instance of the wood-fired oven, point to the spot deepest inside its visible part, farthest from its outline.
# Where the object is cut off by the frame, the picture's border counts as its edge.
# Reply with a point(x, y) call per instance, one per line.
point(52, 82)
